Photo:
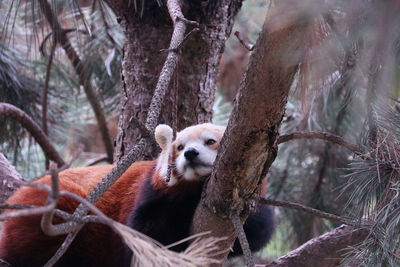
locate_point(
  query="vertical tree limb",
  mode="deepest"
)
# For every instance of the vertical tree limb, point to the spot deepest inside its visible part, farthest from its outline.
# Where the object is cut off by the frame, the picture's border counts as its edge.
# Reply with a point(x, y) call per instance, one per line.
point(249, 145)
point(46, 91)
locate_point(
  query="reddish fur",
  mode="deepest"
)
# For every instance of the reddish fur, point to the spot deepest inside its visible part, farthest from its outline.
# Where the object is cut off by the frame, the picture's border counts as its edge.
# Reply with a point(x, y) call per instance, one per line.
point(22, 239)
point(23, 243)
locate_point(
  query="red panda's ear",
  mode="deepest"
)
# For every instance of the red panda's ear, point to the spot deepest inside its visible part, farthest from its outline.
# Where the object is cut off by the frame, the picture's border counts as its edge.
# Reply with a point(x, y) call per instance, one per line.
point(163, 135)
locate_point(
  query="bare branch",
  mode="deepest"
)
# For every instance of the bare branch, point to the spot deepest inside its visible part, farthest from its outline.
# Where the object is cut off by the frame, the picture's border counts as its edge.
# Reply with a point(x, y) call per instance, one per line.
point(40, 137)
point(75, 156)
point(63, 248)
point(97, 160)
point(46, 90)
point(62, 214)
point(237, 223)
point(46, 87)
point(247, 46)
point(15, 206)
point(323, 136)
point(47, 219)
point(26, 212)
point(325, 250)
point(312, 211)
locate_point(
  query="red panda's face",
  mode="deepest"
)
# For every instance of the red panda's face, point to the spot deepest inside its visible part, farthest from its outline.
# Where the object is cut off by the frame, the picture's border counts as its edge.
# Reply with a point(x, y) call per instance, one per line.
point(195, 150)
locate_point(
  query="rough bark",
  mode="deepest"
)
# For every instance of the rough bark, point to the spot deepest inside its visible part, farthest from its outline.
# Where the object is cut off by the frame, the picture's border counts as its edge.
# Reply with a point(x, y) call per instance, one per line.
point(191, 95)
point(325, 250)
point(249, 146)
point(8, 176)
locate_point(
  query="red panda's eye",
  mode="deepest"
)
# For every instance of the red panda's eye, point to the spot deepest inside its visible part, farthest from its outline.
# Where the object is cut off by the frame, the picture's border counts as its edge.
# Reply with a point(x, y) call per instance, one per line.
point(180, 147)
point(210, 142)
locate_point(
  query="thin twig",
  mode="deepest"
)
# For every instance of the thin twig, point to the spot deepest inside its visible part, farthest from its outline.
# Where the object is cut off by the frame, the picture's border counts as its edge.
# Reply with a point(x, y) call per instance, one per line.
point(324, 136)
point(178, 48)
point(47, 219)
point(26, 212)
point(237, 223)
point(46, 91)
point(247, 46)
point(97, 160)
point(75, 156)
point(59, 213)
point(62, 249)
point(6, 206)
point(297, 206)
point(46, 87)
point(40, 137)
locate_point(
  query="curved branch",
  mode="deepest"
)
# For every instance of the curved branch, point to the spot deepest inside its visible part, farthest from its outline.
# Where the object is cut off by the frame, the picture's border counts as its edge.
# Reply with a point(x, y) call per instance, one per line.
point(63, 40)
point(323, 136)
point(312, 211)
point(40, 137)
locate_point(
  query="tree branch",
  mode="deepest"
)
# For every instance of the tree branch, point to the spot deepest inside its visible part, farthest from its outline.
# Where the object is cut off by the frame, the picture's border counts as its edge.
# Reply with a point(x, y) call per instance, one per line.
point(237, 223)
point(249, 145)
point(247, 46)
point(97, 160)
point(323, 136)
point(40, 137)
point(312, 211)
point(46, 90)
point(322, 250)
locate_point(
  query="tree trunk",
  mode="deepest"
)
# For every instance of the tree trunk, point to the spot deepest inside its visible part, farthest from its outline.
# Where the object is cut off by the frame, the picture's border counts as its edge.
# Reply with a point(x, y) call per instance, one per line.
point(191, 96)
point(8, 179)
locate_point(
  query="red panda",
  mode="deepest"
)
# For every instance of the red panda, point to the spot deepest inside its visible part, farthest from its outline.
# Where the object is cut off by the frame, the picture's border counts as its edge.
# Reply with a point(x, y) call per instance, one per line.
point(157, 198)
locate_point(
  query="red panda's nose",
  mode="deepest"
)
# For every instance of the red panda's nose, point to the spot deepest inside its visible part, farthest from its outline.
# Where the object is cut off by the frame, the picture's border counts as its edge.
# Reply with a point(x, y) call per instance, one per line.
point(191, 154)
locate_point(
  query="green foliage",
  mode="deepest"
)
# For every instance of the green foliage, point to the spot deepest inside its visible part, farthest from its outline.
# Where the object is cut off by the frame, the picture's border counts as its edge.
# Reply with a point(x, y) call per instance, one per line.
point(376, 194)
point(98, 39)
